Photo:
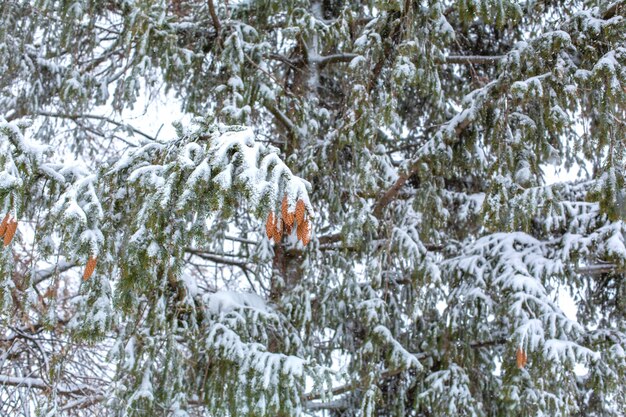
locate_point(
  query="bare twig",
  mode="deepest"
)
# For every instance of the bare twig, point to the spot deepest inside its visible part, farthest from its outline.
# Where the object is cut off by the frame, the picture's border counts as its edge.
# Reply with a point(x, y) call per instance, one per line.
point(216, 21)
point(473, 59)
point(96, 117)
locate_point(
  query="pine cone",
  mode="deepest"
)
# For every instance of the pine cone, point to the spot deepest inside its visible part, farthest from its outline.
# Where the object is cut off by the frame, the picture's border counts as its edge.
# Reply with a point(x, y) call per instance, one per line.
point(287, 217)
point(269, 225)
point(278, 231)
point(89, 268)
point(306, 235)
point(3, 225)
point(304, 232)
point(10, 231)
point(521, 358)
point(300, 211)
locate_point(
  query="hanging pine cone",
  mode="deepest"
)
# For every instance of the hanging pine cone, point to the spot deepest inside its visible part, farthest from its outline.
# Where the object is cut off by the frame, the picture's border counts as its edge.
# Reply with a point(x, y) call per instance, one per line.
point(306, 235)
point(521, 358)
point(288, 218)
point(3, 225)
point(304, 232)
point(10, 231)
point(278, 230)
point(269, 225)
point(300, 211)
point(90, 267)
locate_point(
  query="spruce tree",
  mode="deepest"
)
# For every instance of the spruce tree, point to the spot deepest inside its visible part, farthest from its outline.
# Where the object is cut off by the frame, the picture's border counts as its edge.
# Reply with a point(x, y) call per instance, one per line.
point(355, 217)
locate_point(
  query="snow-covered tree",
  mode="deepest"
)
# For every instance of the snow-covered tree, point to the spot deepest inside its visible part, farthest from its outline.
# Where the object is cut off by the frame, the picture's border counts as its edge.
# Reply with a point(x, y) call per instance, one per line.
point(356, 216)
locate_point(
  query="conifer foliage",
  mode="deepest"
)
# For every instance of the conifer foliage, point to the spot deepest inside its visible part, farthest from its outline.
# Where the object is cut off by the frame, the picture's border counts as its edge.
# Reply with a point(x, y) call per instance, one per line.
point(357, 220)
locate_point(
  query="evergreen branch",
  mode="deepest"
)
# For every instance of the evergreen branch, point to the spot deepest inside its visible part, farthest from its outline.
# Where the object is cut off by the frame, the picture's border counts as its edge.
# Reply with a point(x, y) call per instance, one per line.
point(499, 86)
point(360, 384)
point(502, 240)
point(327, 240)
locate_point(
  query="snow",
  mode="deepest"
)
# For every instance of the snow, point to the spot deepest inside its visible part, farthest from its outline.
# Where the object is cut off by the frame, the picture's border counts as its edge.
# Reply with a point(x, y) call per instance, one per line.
point(607, 63)
point(8, 181)
point(445, 28)
point(223, 302)
point(13, 132)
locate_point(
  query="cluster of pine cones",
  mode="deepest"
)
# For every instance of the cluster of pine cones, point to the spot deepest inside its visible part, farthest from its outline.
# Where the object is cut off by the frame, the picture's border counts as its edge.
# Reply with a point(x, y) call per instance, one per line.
point(288, 221)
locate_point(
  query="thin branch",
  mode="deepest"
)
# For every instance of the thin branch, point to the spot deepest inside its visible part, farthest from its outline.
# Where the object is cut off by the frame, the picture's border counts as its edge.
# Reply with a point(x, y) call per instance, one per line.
point(473, 59)
point(83, 402)
point(342, 389)
point(38, 383)
point(216, 259)
point(341, 404)
point(216, 21)
point(269, 75)
point(332, 59)
point(44, 274)
point(283, 59)
point(597, 269)
point(283, 119)
point(326, 242)
point(241, 240)
point(335, 237)
point(348, 57)
point(96, 117)
point(390, 194)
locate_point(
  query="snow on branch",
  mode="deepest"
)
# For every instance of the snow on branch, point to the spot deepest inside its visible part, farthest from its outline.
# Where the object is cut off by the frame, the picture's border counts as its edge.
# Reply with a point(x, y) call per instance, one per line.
point(213, 160)
point(509, 274)
point(259, 169)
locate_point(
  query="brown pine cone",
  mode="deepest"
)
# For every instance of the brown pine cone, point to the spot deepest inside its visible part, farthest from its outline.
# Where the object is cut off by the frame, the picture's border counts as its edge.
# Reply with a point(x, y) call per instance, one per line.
point(89, 268)
point(306, 235)
point(269, 225)
point(278, 231)
point(300, 211)
point(10, 231)
point(521, 358)
point(3, 225)
point(287, 217)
